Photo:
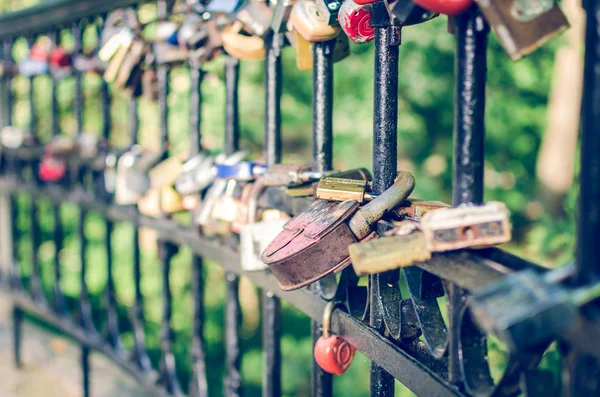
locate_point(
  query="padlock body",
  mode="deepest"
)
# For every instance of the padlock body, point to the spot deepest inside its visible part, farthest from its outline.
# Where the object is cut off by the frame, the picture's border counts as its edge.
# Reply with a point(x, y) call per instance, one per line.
point(333, 354)
point(355, 20)
point(312, 245)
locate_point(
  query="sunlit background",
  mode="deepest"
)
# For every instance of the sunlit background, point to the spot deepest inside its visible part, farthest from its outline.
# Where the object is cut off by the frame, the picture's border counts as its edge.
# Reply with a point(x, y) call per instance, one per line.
point(530, 164)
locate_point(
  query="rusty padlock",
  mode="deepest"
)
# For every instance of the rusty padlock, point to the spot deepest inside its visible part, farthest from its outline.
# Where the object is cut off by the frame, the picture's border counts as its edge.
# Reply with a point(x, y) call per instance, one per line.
point(315, 243)
point(333, 354)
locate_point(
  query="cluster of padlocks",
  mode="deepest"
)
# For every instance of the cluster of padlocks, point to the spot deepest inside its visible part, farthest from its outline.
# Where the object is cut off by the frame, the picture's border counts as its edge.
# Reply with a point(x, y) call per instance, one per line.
point(330, 219)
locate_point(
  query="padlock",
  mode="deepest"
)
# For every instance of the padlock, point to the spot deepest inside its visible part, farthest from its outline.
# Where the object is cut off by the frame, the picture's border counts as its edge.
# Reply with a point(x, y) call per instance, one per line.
point(441, 229)
point(166, 172)
point(132, 180)
point(466, 226)
point(333, 188)
point(192, 34)
point(332, 353)
point(296, 256)
point(414, 209)
point(250, 48)
point(304, 52)
point(522, 26)
point(110, 173)
point(255, 237)
point(447, 7)
point(41, 50)
point(210, 46)
point(89, 64)
point(167, 31)
point(355, 21)
point(122, 38)
point(115, 63)
point(165, 53)
point(281, 14)
point(51, 169)
point(170, 200)
point(226, 7)
point(527, 309)
point(149, 204)
point(401, 248)
point(59, 58)
point(329, 10)
point(196, 175)
point(256, 17)
point(129, 73)
point(219, 208)
point(31, 67)
point(407, 12)
point(88, 145)
point(311, 23)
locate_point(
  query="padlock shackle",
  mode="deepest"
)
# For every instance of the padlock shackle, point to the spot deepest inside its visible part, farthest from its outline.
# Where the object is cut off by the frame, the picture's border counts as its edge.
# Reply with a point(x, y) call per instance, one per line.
point(366, 216)
point(326, 320)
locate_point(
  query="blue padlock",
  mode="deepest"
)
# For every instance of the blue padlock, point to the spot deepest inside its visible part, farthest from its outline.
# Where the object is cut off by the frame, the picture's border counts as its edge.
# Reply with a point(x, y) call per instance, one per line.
point(242, 171)
point(227, 7)
point(32, 67)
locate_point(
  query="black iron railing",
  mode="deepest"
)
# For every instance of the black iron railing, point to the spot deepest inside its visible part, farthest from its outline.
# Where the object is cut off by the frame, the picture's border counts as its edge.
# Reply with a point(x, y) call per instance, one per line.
point(433, 360)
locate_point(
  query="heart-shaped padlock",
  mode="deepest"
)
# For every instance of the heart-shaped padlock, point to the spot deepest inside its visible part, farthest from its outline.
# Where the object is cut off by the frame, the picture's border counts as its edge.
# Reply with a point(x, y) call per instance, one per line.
point(333, 354)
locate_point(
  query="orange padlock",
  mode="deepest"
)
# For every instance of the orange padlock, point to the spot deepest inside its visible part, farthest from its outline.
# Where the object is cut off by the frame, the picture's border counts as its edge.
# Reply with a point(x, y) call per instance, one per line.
point(333, 354)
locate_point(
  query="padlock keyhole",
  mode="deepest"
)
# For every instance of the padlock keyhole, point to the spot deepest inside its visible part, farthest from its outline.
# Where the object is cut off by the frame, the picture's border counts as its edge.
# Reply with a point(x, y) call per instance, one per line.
point(468, 233)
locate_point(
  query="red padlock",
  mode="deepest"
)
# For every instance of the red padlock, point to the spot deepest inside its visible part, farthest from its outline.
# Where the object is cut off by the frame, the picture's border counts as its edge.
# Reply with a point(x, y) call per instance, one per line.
point(51, 169)
point(40, 51)
point(333, 354)
point(355, 20)
point(59, 58)
point(361, 2)
point(447, 7)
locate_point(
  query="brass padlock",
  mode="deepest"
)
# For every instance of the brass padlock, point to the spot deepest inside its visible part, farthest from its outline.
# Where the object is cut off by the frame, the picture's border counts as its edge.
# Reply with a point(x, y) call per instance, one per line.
point(522, 26)
point(442, 229)
point(312, 24)
point(315, 242)
point(256, 17)
point(250, 48)
point(466, 226)
point(340, 189)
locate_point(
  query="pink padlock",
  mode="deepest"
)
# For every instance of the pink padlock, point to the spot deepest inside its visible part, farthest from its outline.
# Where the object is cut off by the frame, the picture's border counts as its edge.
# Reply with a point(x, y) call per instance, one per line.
point(355, 20)
point(51, 169)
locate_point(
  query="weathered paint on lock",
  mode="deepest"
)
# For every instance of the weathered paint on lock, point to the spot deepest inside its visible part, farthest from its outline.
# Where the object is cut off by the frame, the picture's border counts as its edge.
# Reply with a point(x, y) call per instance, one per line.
point(355, 21)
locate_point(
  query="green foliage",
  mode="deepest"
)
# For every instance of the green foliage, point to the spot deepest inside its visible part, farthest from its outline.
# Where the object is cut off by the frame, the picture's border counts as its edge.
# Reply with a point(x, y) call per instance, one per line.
point(516, 113)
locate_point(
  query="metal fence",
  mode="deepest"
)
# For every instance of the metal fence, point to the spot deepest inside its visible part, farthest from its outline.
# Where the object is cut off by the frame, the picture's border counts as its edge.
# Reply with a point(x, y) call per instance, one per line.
point(405, 337)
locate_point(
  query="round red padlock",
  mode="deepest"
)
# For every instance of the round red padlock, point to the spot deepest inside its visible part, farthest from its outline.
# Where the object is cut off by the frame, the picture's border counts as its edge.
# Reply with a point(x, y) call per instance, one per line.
point(355, 21)
point(60, 58)
point(39, 52)
point(333, 354)
point(447, 7)
point(51, 169)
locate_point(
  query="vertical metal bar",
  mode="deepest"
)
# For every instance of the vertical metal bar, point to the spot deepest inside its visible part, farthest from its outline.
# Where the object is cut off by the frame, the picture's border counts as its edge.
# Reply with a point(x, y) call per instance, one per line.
point(588, 249)
point(199, 383)
point(385, 159)
point(470, 69)
point(322, 150)
point(233, 313)
point(166, 250)
point(36, 287)
point(271, 304)
point(7, 100)
point(59, 303)
point(140, 356)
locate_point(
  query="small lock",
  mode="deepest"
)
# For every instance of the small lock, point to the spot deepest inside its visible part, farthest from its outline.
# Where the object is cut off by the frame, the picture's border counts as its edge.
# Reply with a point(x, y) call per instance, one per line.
point(166, 172)
point(129, 74)
point(329, 10)
point(31, 67)
point(469, 226)
point(59, 58)
point(196, 175)
point(523, 26)
point(312, 24)
point(256, 17)
point(115, 63)
point(332, 352)
point(170, 200)
point(340, 189)
point(250, 48)
point(51, 169)
point(355, 21)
